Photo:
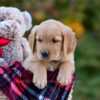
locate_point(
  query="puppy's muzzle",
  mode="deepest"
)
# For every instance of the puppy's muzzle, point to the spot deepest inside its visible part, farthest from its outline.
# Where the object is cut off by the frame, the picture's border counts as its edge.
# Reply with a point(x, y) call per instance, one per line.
point(45, 54)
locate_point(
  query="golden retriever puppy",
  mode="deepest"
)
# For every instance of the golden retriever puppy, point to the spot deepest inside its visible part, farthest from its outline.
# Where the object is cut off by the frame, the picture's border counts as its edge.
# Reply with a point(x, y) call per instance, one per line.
point(53, 46)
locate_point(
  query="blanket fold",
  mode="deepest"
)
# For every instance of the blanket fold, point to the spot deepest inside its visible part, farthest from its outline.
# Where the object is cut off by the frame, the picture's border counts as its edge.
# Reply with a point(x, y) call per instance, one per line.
point(16, 84)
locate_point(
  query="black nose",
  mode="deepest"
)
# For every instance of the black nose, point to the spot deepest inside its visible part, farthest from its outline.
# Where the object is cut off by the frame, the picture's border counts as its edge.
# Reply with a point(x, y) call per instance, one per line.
point(45, 54)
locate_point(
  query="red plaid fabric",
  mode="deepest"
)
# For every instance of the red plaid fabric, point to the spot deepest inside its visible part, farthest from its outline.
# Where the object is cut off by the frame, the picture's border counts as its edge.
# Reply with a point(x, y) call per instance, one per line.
point(16, 84)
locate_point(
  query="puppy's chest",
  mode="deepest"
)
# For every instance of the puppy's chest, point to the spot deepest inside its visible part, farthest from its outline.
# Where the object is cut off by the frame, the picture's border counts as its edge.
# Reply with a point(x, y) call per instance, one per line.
point(12, 52)
point(53, 66)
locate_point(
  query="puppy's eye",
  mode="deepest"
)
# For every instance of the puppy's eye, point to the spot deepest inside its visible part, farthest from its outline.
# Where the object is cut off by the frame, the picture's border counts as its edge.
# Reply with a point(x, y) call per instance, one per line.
point(55, 41)
point(39, 40)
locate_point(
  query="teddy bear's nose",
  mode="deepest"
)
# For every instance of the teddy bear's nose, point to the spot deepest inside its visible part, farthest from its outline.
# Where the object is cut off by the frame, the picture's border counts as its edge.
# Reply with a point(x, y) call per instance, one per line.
point(45, 54)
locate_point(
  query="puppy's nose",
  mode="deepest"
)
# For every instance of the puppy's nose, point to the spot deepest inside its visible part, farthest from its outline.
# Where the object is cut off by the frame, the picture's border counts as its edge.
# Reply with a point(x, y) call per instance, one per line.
point(45, 54)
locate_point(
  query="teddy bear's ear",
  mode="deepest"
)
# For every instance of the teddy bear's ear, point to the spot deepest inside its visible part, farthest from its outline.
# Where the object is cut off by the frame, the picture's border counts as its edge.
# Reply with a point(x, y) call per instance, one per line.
point(28, 20)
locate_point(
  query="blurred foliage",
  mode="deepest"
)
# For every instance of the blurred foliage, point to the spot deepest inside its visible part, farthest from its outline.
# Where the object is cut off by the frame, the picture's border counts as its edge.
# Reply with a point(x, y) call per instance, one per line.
point(84, 18)
point(87, 85)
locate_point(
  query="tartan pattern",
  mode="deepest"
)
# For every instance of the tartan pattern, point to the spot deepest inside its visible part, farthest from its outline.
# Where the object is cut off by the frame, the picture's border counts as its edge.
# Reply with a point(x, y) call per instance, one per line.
point(16, 84)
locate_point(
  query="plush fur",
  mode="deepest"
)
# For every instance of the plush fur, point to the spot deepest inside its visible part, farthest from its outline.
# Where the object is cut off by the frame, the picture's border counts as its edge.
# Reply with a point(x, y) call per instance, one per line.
point(13, 25)
point(59, 40)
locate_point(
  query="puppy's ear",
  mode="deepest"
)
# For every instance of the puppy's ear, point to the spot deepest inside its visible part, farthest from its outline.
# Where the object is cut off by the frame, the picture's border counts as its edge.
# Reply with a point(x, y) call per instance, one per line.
point(32, 38)
point(69, 40)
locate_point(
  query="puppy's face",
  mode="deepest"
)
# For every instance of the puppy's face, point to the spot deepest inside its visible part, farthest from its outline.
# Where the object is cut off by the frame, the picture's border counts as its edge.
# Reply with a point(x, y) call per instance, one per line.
point(52, 41)
point(48, 43)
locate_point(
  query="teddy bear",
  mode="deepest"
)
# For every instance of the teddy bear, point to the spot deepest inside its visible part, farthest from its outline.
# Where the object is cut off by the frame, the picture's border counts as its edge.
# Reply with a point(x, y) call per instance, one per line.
point(13, 24)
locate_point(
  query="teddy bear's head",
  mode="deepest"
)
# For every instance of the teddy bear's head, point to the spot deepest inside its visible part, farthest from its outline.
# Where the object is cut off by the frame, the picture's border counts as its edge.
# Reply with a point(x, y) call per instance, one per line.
point(14, 23)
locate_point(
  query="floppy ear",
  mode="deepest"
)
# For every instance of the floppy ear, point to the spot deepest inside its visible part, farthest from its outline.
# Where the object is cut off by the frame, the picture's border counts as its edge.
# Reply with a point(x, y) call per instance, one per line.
point(69, 41)
point(32, 38)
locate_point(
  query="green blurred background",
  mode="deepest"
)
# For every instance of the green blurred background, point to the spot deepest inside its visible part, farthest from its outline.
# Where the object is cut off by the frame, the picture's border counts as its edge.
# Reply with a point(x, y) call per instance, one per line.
point(83, 16)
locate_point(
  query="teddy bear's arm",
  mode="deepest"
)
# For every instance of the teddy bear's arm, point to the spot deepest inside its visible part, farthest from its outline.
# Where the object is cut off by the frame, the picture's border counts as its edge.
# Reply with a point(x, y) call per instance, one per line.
point(3, 62)
point(26, 48)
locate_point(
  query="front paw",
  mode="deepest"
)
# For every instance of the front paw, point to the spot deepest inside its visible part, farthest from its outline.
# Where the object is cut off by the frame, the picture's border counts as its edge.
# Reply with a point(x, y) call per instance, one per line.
point(40, 81)
point(64, 79)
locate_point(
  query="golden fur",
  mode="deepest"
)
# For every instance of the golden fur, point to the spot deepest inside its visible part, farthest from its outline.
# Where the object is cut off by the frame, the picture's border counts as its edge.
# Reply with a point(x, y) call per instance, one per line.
point(59, 40)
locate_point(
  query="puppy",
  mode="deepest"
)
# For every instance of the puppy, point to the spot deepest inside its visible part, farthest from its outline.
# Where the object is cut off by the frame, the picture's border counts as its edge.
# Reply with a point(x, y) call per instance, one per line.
point(53, 46)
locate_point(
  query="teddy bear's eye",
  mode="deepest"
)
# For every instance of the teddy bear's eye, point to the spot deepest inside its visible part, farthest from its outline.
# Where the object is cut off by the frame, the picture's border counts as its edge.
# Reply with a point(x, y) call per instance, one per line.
point(1, 20)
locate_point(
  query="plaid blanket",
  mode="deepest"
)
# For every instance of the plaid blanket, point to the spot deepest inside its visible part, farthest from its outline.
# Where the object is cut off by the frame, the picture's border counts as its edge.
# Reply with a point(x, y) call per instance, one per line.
point(16, 84)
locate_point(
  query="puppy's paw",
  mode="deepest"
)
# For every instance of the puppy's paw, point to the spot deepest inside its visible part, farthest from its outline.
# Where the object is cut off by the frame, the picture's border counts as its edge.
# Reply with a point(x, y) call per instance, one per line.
point(64, 79)
point(39, 81)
